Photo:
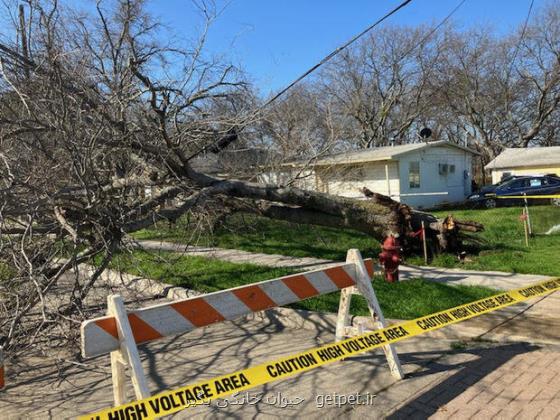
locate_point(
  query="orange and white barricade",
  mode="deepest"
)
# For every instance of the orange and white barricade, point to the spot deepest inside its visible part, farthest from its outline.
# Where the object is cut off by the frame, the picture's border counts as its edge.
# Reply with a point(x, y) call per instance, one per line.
point(120, 331)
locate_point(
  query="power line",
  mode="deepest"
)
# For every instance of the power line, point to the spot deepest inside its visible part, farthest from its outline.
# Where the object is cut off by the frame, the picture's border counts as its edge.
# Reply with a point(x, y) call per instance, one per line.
point(518, 46)
point(311, 70)
point(347, 44)
point(355, 38)
point(335, 52)
point(435, 28)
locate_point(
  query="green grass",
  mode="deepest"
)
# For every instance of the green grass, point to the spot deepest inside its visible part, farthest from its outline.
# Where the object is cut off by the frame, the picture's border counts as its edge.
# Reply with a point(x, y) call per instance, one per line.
point(503, 248)
point(259, 234)
point(197, 273)
point(404, 300)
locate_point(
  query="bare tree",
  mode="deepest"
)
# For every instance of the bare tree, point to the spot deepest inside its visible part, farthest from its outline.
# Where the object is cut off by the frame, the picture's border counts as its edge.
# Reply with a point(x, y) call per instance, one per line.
point(500, 92)
point(471, 86)
point(301, 125)
point(101, 125)
point(86, 130)
point(380, 86)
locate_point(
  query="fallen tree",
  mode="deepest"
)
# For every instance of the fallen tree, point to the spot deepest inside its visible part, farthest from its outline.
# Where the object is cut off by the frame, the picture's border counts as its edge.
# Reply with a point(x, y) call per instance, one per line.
point(95, 146)
point(379, 216)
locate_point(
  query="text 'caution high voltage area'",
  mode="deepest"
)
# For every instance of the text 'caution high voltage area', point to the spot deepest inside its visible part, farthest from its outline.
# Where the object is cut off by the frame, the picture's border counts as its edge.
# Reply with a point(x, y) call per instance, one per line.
point(179, 399)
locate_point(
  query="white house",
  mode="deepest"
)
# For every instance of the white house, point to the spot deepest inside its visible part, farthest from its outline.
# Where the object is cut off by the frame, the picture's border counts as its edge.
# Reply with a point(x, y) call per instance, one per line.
point(421, 175)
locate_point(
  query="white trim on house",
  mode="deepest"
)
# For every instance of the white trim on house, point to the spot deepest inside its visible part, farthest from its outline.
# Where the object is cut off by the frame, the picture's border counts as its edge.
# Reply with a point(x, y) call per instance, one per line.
point(376, 154)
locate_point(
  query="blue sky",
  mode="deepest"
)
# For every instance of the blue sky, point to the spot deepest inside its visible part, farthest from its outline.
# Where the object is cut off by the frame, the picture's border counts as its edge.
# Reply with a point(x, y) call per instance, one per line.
point(275, 41)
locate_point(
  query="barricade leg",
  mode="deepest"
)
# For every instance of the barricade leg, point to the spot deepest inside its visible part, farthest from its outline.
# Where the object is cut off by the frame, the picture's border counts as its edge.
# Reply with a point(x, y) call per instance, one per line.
point(342, 320)
point(126, 355)
point(363, 284)
point(119, 379)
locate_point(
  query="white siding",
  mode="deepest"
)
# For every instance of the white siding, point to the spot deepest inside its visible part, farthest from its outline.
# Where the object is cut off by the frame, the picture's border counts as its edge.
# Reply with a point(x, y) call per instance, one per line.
point(457, 185)
point(305, 180)
point(346, 180)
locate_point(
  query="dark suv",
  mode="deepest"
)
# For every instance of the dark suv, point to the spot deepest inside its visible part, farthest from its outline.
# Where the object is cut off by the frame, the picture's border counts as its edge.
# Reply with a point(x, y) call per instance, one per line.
point(516, 186)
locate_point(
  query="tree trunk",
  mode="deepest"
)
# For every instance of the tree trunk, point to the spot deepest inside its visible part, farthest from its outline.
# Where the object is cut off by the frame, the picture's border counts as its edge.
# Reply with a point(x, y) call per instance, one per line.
point(377, 216)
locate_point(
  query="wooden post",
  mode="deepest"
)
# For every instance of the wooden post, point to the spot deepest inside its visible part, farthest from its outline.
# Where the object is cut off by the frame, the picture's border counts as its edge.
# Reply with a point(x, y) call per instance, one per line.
point(23, 34)
point(528, 216)
point(424, 243)
point(363, 283)
point(126, 355)
point(526, 227)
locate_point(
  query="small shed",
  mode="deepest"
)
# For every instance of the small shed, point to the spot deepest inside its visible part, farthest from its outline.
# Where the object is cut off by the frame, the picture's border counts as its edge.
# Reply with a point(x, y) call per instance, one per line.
point(421, 175)
point(525, 161)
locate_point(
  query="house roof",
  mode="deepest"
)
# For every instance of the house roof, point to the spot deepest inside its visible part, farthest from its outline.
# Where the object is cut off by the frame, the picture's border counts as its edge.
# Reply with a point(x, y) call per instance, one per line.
point(384, 153)
point(530, 156)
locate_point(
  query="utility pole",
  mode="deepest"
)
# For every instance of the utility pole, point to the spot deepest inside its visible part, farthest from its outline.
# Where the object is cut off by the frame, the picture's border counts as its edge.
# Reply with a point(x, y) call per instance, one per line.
point(23, 34)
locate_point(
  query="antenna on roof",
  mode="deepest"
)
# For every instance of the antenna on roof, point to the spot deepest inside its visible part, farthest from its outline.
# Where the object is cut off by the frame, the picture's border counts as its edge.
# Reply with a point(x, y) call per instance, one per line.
point(425, 133)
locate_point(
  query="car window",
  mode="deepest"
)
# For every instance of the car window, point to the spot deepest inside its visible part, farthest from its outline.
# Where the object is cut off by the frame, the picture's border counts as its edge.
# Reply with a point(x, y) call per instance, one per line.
point(504, 181)
point(518, 183)
point(535, 182)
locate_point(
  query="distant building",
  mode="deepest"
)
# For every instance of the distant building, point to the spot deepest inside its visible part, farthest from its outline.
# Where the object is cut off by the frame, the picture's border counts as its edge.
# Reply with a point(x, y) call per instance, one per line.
point(525, 161)
point(421, 175)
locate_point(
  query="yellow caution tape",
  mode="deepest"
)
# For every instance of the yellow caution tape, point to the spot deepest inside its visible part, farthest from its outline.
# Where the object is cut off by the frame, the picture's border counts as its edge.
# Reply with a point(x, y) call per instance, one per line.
point(527, 196)
point(202, 392)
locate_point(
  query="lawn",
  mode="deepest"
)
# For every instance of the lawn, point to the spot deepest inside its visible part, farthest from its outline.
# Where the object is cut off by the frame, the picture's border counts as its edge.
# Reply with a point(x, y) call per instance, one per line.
point(259, 234)
point(405, 300)
point(503, 248)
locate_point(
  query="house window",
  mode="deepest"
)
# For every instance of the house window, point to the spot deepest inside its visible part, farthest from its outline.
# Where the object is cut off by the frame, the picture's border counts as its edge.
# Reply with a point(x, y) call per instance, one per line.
point(414, 174)
point(451, 169)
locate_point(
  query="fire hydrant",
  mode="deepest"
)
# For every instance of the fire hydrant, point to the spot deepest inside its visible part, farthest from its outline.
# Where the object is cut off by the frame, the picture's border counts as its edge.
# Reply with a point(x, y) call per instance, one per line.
point(390, 258)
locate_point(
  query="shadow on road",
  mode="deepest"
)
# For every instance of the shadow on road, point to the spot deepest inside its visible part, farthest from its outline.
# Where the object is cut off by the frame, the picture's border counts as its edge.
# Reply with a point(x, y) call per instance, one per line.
point(485, 361)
